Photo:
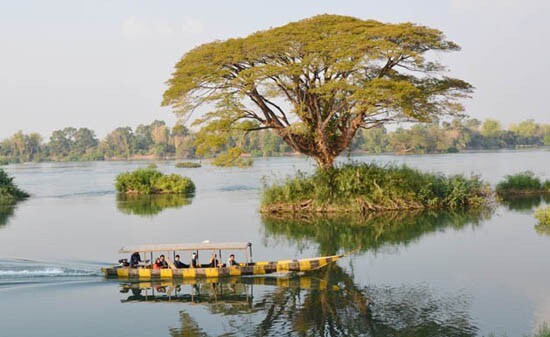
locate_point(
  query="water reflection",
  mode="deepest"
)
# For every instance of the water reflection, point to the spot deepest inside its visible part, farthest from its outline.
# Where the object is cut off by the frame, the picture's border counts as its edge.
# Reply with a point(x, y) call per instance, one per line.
point(324, 304)
point(371, 232)
point(525, 202)
point(149, 205)
point(5, 213)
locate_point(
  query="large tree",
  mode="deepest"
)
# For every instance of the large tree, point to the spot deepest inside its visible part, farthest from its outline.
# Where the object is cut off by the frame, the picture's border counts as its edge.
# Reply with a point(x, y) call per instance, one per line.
point(317, 81)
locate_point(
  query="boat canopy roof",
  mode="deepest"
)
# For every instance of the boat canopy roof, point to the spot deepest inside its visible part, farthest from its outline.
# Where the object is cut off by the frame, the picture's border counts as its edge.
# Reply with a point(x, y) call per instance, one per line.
point(166, 247)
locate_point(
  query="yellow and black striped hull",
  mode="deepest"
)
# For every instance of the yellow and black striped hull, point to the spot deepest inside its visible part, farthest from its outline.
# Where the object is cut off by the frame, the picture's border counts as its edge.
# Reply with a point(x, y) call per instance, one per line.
point(258, 268)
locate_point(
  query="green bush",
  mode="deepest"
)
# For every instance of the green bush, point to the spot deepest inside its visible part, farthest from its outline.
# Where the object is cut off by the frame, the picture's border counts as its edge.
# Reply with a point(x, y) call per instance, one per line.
point(151, 181)
point(369, 187)
point(522, 183)
point(188, 164)
point(543, 216)
point(9, 192)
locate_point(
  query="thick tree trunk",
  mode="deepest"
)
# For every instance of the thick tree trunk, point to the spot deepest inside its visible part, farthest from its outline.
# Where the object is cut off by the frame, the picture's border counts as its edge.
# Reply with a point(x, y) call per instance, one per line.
point(325, 162)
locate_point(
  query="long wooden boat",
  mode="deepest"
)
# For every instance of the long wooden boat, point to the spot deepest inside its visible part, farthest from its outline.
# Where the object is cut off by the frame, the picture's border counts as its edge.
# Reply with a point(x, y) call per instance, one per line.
point(145, 271)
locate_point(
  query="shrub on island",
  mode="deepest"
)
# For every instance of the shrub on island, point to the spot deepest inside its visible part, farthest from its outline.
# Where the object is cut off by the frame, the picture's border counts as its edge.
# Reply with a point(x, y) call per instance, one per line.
point(362, 188)
point(151, 181)
point(188, 164)
point(523, 183)
point(9, 192)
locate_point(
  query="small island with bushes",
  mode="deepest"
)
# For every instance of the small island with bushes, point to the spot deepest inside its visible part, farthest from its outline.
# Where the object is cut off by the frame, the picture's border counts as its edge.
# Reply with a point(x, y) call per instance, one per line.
point(522, 184)
point(151, 181)
point(9, 192)
point(188, 164)
point(363, 188)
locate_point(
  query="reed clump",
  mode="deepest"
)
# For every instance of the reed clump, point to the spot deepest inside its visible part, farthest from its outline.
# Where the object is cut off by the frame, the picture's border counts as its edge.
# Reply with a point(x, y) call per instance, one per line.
point(367, 187)
point(151, 181)
point(523, 183)
point(188, 164)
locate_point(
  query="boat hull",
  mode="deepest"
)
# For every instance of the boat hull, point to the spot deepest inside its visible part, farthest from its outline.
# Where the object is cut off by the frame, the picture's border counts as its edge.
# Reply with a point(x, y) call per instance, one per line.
point(258, 268)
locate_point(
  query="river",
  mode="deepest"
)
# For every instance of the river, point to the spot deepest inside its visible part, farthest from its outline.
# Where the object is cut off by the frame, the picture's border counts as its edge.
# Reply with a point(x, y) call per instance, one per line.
point(428, 274)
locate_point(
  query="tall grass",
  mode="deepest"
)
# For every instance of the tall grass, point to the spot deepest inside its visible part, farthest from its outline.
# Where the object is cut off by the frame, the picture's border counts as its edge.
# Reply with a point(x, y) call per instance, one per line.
point(151, 181)
point(367, 187)
point(522, 183)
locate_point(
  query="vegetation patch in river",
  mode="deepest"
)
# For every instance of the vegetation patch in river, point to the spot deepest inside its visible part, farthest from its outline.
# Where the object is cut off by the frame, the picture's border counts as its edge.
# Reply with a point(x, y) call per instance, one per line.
point(150, 204)
point(543, 217)
point(523, 183)
point(366, 187)
point(188, 164)
point(352, 232)
point(151, 181)
point(9, 192)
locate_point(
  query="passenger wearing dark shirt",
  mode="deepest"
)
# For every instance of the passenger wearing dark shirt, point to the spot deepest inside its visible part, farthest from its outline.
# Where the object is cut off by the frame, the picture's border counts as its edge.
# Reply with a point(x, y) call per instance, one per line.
point(178, 263)
point(162, 262)
point(135, 259)
point(195, 260)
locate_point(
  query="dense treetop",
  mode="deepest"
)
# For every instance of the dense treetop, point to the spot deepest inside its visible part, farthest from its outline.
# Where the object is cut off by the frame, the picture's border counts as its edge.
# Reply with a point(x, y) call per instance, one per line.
point(317, 81)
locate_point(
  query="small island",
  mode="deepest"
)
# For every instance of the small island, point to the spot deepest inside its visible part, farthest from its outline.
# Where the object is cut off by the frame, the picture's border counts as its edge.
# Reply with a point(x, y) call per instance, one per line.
point(9, 192)
point(188, 164)
point(151, 181)
point(364, 188)
point(522, 184)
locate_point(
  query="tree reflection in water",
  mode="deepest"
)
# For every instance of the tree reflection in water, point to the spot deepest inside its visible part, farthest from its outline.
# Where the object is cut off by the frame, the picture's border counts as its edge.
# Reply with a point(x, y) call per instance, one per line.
point(5, 213)
point(340, 308)
point(371, 232)
point(525, 202)
point(149, 205)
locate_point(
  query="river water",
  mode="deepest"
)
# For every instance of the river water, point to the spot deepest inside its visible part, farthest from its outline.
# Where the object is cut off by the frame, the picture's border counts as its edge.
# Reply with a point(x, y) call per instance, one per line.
point(427, 274)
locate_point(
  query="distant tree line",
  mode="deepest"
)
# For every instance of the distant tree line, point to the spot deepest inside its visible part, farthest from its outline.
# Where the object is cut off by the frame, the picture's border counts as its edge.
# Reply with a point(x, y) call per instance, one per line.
point(157, 140)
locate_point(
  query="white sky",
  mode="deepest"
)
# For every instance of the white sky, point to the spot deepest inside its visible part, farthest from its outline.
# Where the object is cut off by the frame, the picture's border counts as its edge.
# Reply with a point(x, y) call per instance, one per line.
point(103, 64)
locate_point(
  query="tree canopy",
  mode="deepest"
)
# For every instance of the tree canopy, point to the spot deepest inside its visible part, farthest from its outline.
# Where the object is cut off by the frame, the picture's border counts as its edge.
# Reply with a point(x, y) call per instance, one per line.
point(315, 82)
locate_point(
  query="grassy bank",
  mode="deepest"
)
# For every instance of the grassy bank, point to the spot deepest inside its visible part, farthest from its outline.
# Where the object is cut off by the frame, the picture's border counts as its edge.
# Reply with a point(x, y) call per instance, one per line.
point(524, 183)
point(151, 181)
point(362, 188)
point(9, 192)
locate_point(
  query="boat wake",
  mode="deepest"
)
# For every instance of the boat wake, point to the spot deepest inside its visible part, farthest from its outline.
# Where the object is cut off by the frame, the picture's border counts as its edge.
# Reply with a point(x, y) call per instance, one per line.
point(15, 272)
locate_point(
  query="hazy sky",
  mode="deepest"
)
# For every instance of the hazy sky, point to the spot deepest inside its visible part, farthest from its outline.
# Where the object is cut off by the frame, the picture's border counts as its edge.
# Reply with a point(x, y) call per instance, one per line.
point(103, 64)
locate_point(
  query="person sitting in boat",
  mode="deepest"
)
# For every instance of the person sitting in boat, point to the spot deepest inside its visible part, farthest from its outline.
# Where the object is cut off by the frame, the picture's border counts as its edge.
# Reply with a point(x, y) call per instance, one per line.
point(157, 264)
point(195, 260)
point(163, 263)
point(231, 261)
point(135, 259)
point(214, 262)
point(178, 263)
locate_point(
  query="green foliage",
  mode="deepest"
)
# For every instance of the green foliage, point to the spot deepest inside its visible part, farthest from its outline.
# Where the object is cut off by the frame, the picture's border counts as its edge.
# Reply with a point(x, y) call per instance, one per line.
point(543, 216)
point(232, 158)
point(9, 192)
point(362, 187)
point(316, 82)
point(188, 164)
point(543, 330)
point(151, 181)
point(522, 183)
point(151, 204)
